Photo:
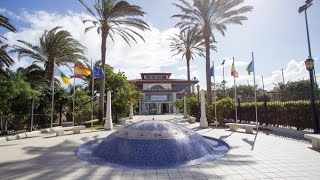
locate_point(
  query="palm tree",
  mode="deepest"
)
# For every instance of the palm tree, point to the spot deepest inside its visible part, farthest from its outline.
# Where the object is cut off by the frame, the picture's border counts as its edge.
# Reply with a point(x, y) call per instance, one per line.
point(114, 17)
point(280, 89)
point(189, 43)
point(5, 59)
point(34, 74)
point(55, 46)
point(210, 15)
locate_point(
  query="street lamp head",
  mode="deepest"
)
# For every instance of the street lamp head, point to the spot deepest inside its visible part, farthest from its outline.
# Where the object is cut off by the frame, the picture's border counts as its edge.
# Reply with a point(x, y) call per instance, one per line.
point(305, 6)
point(309, 64)
point(309, 1)
point(198, 87)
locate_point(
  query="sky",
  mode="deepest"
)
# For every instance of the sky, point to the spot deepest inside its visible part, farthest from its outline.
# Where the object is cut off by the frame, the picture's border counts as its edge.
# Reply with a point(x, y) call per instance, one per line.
point(275, 32)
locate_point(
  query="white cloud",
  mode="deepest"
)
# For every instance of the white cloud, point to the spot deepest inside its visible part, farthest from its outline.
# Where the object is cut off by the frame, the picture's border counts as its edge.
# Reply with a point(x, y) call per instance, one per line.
point(294, 71)
point(153, 55)
point(148, 56)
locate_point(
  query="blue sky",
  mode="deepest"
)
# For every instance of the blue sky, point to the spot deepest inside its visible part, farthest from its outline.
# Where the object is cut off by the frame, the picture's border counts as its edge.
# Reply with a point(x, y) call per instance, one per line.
point(275, 32)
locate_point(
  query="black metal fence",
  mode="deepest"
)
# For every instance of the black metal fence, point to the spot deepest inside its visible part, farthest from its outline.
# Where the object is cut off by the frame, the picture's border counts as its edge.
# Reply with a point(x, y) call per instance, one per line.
point(289, 114)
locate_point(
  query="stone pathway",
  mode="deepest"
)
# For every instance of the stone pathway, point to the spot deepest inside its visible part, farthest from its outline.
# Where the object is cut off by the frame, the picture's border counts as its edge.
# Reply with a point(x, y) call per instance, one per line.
point(265, 156)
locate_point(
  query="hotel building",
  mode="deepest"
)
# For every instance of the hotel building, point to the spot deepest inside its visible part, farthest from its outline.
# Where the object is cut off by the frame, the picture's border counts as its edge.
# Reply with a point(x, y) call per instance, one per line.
point(160, 92)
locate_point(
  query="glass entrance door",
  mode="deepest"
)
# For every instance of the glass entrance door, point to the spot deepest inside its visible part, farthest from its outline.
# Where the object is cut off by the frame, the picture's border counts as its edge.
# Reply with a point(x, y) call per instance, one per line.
point(165, 107)
point(152, 108)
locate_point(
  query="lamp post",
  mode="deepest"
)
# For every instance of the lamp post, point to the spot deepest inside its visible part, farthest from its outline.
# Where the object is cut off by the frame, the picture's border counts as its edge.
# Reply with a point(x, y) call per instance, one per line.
point(310, 67)
point(198, 88)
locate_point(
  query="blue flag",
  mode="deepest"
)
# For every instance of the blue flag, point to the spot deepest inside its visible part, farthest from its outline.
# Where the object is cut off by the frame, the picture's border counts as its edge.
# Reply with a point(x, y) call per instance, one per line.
point(98, 72)
point(250, 68)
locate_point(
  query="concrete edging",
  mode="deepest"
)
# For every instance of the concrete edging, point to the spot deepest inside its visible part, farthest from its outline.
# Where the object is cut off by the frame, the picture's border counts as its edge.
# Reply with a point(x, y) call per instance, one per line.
point(290, 132)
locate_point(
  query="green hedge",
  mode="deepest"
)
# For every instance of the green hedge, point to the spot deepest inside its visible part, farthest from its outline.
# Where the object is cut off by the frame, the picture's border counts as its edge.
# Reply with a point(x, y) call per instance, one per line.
point(293, 113)
point(276, 113)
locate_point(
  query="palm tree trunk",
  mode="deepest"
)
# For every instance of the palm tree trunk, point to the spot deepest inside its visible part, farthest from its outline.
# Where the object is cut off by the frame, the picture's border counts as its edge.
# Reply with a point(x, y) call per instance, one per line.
point(49, 70)
point(188, 74)
point(208, 78)
point(102, 80)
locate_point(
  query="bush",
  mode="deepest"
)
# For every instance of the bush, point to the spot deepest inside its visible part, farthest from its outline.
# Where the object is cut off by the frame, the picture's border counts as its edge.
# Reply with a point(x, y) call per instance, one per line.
point(225, 109)
point(192, 105)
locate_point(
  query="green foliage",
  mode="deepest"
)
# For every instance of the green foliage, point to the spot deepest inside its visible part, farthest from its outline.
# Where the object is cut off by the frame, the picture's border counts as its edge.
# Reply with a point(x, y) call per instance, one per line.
point(5, 59)
point(246, 92)
point(56, 46)
point(123, 93)
point(33, 74)
point(15, 99)
point(192, 105)
point(83, 107)
point(61, 100)
point(15, 95)
point(276, 113)
point(224, 109)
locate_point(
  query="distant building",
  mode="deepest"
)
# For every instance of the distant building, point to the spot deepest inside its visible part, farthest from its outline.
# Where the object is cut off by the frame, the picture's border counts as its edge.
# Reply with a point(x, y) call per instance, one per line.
point(160, 92)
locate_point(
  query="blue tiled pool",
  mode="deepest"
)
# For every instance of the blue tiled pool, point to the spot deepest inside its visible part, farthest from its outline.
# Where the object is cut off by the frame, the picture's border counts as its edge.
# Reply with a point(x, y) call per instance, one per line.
point(152, 144)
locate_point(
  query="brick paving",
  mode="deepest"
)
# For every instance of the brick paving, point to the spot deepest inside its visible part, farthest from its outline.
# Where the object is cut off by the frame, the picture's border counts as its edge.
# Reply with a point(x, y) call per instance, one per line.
point(265, 156)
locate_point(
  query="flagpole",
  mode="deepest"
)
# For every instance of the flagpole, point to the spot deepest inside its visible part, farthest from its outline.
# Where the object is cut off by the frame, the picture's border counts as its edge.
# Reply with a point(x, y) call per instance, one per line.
point(92, 92)
point(214, 92)
point(74, 92)
point(235, 93)
point(52, 98)
point(255, 90)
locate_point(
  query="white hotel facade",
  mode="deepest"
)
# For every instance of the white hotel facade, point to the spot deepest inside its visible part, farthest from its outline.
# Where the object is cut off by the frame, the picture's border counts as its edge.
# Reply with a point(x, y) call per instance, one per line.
point(160, 92)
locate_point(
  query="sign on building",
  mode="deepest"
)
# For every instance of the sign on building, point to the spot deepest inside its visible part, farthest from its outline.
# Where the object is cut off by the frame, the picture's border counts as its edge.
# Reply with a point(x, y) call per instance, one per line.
point(159, 98)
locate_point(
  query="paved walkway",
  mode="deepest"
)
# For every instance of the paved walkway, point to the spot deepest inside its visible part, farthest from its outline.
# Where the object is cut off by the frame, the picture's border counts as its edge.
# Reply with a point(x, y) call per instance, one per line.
point(265, 156)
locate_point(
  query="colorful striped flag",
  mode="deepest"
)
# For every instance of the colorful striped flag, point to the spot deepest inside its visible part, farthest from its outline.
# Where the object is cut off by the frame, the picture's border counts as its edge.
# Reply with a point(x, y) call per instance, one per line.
point(58, 73)
point(234, 73)
point(81, 71)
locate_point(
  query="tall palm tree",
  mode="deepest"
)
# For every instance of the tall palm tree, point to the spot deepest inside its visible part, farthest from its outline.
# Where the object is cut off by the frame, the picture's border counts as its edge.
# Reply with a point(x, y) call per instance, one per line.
point(189, 43)
point(114, 17)
point(210, 15)
point(5, 59)
point(55, 46)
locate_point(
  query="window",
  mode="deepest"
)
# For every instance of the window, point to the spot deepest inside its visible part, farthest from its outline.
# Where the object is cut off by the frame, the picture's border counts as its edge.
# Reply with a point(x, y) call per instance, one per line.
point(157, 87)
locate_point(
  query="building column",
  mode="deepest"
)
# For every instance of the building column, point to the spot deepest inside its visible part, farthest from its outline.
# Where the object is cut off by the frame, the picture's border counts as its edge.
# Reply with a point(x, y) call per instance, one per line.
point(158, 108)
point(108, 122)
point(131, 111)
point(185, 114)
point(140, 106)
point(143, 104)
point(192, 88)
point(203, 119)
point(174, 99)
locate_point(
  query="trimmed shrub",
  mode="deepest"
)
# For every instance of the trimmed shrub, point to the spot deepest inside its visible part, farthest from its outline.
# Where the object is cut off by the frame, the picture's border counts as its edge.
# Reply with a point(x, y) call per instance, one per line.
point(225, 109)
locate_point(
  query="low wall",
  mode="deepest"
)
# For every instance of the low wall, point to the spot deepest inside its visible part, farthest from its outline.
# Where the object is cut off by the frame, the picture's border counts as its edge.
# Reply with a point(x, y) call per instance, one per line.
point(285, 131)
